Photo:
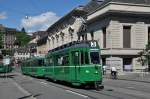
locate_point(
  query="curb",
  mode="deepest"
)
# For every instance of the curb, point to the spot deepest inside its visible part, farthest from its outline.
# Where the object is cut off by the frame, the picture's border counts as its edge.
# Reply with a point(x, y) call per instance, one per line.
point(131, 80)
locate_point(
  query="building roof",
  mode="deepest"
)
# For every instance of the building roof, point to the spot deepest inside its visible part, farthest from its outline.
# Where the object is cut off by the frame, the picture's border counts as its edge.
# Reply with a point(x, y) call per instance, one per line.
point(78, 11)
point(147, 2)
point(92, 5)
point(32, 45)
point(22, 50)
point(131, 1)
point(39, 33)
point(42, 40)
point(6, 29)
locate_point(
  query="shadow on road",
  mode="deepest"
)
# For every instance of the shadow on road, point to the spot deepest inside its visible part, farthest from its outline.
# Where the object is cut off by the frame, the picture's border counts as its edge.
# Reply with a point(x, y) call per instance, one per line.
point(7, 75)
point(29, 96)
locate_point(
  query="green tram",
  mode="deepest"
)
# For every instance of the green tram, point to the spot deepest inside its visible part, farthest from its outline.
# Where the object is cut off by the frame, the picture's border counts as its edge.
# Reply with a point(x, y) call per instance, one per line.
point(77, 62)
point(3, 67)
point(34, 66)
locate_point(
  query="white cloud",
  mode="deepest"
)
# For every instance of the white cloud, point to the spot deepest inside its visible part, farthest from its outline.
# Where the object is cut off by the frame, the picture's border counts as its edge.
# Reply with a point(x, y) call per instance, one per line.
point(3, 15)
point(39, 22)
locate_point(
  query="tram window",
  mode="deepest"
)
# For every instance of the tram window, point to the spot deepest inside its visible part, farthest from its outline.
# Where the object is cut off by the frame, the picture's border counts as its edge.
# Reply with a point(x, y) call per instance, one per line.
point(65, 60)
point(50, 61)
point(40, 62)
point(86, 58)
point(75, 58)
point(82, 58)
point(95, 57)
point(34, 63)
point(59, 61)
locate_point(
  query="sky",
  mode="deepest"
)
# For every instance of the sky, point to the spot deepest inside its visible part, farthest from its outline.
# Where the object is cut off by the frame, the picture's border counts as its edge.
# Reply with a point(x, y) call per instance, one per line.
point(35, 15)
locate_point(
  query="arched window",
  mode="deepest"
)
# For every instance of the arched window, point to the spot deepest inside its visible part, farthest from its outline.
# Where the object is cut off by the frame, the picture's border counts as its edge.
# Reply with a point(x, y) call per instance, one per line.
point(62, 36)
point(53, 39)
point(71, 30)
point(57, 37)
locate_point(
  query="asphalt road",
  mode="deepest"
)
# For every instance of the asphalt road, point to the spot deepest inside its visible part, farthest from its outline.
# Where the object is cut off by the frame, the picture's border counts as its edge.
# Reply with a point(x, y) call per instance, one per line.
point(18, 86)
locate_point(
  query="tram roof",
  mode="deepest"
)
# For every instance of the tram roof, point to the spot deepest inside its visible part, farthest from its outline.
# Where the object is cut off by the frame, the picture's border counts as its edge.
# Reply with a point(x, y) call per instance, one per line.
point(74, 44)
point(35, 58)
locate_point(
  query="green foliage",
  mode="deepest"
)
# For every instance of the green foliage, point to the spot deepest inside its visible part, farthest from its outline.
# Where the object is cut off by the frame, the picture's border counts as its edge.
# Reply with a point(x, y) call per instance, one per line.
point(1, 42)
point(145, 56)
point(22, 38)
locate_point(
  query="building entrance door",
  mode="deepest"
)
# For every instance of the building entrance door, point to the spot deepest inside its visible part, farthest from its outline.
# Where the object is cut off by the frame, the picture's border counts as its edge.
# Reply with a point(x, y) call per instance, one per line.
point(127, 64)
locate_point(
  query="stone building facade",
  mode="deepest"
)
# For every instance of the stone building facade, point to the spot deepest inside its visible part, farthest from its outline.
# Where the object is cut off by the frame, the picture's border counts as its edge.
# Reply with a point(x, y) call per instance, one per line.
point(40, 37)
point(8, 37)
point(25, 52)
point(67, 29)
point(121, 27)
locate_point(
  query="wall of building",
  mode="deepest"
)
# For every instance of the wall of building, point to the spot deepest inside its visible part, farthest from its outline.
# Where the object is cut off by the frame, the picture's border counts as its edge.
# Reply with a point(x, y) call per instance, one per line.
point(43, 49)
point(114, 38)
point(21, 56)
point(57, 39)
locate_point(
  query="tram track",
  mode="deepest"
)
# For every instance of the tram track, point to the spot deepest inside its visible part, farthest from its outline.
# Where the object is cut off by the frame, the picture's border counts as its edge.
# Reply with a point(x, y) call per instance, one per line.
point(70, 90)
point(77, 91)
point(106, 94)
point(130, 87)
point(138, 94)
point(97, 92)
point(91, 94)
point(117, 96)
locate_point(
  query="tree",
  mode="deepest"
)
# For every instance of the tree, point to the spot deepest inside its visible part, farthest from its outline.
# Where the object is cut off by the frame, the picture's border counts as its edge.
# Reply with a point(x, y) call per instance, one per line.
point(23, 38)
point(145, 56)
point(1, 41)
point(23, 30)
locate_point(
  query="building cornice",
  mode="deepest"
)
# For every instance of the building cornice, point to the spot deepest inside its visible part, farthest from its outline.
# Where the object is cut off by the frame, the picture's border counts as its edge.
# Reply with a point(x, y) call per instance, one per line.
point(108, 2)
point(124, 8)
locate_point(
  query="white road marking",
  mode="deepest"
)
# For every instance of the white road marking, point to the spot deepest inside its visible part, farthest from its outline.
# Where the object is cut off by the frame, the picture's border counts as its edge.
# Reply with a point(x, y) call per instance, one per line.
point(43, 83)
point(23, 90)
point(130, 87)
point(31, 78)
point(77, 93)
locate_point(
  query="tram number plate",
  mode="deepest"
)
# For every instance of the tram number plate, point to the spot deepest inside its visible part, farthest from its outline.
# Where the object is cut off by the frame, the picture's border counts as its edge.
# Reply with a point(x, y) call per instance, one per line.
point(93, 44)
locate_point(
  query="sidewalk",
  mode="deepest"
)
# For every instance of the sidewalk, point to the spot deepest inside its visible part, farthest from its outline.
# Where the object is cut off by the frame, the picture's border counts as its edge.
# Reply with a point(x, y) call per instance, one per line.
point(132, 76)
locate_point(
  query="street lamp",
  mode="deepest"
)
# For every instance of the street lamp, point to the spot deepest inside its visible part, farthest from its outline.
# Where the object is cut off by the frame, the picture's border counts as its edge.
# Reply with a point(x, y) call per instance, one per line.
point(110, 51)
point(110, 37)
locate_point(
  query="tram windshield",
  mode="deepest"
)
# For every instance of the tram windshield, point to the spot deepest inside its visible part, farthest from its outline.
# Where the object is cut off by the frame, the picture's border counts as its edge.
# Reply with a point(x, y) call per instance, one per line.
point(95, 59)
point(40, 62)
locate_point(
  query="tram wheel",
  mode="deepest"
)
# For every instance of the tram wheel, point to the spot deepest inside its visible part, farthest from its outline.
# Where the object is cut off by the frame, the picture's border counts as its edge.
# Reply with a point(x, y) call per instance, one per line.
point(98, 86)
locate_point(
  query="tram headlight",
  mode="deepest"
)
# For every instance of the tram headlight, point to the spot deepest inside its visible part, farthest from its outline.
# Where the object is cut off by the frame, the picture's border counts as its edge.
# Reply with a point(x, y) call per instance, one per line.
point(96, 72)
point(87, 71)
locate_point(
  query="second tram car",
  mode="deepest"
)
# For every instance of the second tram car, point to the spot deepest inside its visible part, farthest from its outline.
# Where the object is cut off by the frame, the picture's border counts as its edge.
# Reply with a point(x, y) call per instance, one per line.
point(34, 67)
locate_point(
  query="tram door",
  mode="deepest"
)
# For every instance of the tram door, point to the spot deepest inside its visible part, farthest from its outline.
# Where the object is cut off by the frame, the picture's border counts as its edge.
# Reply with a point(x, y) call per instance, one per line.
point(76, 63)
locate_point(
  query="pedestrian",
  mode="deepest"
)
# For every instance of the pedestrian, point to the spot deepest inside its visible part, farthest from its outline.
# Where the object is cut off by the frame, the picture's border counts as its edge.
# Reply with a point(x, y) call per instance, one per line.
point(104, 70)
point(113, 72)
